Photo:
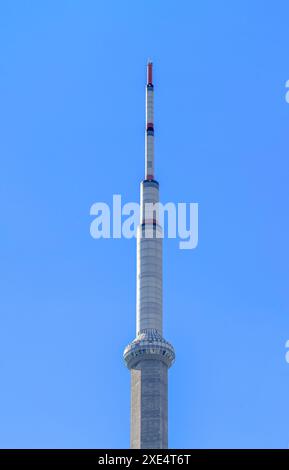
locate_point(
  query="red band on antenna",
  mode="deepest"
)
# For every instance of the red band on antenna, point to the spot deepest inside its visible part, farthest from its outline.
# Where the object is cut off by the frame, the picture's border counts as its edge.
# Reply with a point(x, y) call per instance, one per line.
point(150, 73)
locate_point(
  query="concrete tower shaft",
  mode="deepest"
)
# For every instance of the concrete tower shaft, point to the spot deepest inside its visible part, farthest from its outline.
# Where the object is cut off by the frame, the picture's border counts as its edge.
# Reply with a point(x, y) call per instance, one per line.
point(149, 355)
point(149, 262)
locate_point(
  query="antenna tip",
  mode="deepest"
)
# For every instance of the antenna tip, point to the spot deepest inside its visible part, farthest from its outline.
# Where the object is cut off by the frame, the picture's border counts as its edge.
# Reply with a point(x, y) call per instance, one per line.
point(149, 72)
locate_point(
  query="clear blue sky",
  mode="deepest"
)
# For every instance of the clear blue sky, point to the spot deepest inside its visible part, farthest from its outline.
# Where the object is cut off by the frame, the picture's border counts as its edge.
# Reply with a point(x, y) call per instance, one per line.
point(72, 75)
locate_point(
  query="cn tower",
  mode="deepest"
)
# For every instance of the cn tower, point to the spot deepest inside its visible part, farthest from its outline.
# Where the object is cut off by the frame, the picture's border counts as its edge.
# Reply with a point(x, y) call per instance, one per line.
point(149, 355)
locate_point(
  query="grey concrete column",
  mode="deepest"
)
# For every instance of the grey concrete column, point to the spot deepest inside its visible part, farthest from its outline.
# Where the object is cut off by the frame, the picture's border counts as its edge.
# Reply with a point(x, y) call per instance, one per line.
point(149, 405)
point(149, 357)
